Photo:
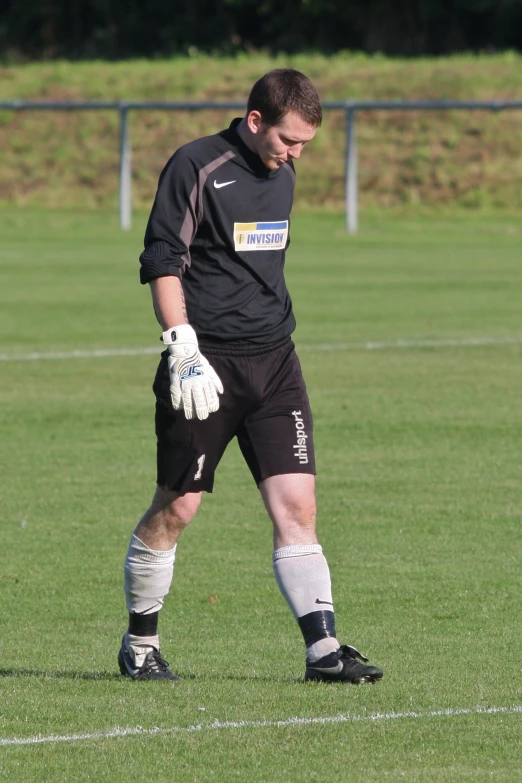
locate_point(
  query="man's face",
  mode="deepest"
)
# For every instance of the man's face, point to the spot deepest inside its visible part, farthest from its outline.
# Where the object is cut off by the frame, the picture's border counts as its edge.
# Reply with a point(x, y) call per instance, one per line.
point(279, 143)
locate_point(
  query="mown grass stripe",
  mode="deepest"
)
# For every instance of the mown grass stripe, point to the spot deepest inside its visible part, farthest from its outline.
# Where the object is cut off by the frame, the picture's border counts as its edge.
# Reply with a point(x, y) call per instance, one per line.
point(103, 353)
point(450, 712)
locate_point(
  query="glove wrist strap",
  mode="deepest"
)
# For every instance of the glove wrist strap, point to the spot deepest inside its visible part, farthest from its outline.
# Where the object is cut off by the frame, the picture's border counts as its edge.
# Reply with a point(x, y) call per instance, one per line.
point(184, 333)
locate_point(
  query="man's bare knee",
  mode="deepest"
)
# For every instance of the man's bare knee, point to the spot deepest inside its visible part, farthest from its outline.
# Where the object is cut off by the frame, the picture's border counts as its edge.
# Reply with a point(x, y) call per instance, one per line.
point(183, 509)
point(298, 520)
point(168, 515)
point(301, 510)
point(290, 501)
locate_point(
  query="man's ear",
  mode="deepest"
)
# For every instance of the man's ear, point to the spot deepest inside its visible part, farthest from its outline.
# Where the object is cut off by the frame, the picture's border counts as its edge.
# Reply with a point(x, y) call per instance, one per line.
point(254, 121)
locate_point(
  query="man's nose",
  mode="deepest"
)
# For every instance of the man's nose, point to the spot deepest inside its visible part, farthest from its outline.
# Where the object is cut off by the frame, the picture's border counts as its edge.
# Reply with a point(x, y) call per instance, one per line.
point(295, 152)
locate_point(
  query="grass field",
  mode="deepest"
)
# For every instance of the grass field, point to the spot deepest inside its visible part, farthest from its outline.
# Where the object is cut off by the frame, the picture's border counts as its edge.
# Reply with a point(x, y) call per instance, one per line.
point(410, 337)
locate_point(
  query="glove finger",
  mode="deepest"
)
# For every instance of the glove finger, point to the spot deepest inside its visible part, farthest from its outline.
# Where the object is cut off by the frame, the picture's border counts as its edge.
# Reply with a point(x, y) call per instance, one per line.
point(213, 407)
point(212, 397)
point(175, 386)
point(200, 401)
point(175, 396)
point(216, 380)
point(212, 375)
point(187, 401)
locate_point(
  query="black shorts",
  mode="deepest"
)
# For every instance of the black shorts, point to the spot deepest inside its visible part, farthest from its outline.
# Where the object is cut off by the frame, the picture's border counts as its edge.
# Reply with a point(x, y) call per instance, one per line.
point(264, 405)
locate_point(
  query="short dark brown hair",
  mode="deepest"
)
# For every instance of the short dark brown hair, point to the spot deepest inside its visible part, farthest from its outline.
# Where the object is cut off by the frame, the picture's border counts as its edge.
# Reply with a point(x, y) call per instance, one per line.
point(281, 91)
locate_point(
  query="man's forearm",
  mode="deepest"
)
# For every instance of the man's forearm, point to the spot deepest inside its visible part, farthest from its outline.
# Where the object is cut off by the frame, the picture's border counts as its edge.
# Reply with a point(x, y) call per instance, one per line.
point(169, 301)
point(194, 385)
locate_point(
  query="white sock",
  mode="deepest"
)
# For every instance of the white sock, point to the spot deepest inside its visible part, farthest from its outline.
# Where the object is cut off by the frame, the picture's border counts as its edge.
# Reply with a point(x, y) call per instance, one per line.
point(321, 648)
point(140, 646)
point(303, 577)
point(148, 575)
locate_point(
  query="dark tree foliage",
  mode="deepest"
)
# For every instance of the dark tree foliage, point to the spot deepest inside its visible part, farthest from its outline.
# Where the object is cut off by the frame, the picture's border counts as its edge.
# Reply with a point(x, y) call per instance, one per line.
point(112, 29)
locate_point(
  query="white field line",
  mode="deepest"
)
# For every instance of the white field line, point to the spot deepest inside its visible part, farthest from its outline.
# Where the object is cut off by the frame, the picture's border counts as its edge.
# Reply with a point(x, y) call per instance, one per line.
point(261, 724)
point(303, 347)
point(447, 343)
point(94, 354)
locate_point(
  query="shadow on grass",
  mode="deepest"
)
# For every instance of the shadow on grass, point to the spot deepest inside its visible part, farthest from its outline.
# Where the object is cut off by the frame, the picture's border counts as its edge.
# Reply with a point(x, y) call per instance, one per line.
point(45, 675)
point(239, 678)
point(114, 676)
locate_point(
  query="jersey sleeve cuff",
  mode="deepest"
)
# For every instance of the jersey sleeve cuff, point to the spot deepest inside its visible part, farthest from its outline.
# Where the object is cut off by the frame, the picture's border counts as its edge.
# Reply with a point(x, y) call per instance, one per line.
point(153, 271)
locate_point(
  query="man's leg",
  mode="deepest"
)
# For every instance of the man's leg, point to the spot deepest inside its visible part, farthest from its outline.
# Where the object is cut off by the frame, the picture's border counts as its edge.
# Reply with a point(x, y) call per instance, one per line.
point(303, 577)
point(300, 567)
point(149, 568)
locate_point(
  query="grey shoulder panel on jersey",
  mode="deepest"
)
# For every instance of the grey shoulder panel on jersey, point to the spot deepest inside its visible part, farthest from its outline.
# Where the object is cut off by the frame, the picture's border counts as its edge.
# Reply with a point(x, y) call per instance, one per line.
point(204, 174)
point(195, 206)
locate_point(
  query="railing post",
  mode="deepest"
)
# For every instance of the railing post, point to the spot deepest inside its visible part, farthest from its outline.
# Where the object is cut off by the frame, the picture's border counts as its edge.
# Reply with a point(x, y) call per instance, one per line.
point(125, 171)
point(351, 194)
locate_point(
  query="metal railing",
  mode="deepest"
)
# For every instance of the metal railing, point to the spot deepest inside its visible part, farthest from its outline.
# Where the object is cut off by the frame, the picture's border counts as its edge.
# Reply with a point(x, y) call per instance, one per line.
point(350, 109)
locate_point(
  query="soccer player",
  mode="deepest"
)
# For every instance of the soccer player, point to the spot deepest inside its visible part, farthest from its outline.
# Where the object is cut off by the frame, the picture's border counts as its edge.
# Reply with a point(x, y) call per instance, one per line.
point(214, 256)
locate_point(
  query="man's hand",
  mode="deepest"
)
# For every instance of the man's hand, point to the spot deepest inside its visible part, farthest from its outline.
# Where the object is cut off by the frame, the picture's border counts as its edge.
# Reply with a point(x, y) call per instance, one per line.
point(194, 384)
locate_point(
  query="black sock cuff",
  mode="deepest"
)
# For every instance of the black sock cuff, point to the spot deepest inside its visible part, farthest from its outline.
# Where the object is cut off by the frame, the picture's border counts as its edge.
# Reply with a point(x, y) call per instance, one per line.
point(316, 626)
point(143, 624)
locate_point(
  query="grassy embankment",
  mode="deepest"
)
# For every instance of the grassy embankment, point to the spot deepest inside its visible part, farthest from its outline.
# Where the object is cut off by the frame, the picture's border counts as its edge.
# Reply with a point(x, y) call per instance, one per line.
point(437, 159)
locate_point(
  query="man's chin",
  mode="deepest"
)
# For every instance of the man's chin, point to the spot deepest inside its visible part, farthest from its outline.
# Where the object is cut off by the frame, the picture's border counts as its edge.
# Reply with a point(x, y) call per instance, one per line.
point(273, 163)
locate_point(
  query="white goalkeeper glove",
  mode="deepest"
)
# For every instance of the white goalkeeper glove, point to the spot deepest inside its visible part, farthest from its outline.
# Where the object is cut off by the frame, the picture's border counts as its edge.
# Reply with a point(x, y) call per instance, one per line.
point(194, 384)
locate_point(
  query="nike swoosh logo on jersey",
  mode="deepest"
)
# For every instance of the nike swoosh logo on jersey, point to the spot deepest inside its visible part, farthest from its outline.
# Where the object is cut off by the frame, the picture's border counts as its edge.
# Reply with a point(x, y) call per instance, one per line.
point(218, 185)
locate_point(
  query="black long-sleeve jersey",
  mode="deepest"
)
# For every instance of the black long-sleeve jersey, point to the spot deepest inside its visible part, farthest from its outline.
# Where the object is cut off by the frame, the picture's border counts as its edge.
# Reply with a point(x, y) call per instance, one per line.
point(221, 221)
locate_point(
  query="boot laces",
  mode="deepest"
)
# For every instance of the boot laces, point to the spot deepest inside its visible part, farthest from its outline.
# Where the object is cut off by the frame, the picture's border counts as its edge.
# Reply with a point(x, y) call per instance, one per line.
point(347, 651)
point(154, 662)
